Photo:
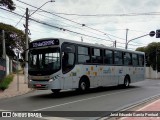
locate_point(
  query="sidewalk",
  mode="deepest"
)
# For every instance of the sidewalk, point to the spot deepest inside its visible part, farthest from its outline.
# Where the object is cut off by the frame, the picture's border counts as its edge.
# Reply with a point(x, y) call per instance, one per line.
point(146, 111)
point(150, 111)
point(13, 89)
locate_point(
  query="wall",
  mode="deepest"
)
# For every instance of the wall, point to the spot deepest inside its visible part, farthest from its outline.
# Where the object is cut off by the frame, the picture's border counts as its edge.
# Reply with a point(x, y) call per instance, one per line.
point(8, 66)
point(2, 68)
point(151, 74)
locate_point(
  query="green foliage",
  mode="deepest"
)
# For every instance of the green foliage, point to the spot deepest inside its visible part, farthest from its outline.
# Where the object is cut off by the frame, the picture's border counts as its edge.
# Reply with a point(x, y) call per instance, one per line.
point(14, 38)
point(142, 49)
point(8, 4)
point(151, 51)
point(5, 82)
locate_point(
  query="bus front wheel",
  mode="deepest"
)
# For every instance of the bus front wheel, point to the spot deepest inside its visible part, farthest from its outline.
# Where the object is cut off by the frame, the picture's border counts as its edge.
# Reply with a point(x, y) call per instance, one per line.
point(83, 85)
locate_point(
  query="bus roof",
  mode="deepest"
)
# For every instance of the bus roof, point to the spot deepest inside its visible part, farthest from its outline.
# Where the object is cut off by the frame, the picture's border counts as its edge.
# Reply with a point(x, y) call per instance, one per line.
point(88, 44)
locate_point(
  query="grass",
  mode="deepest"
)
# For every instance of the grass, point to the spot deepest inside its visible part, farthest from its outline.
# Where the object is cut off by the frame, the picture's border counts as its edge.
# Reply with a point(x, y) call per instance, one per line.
point(6, 81)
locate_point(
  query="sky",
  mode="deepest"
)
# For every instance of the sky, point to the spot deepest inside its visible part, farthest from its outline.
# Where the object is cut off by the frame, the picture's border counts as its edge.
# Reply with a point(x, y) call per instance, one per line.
point(95, 21)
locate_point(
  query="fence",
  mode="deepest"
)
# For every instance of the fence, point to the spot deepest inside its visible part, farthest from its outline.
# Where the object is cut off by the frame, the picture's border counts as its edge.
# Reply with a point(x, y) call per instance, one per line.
point(2, 68)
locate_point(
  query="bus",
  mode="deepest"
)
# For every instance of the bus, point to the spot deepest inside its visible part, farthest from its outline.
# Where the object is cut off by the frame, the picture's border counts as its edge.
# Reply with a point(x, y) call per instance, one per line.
point(59, 64)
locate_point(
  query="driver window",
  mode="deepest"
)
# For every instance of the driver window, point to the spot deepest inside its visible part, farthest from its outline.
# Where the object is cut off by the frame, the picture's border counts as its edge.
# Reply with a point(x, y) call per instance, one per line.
point(68, 57)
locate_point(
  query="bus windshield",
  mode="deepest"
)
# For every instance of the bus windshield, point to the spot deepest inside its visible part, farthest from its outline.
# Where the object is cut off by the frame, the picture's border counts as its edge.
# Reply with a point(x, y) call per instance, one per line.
point(44, 61)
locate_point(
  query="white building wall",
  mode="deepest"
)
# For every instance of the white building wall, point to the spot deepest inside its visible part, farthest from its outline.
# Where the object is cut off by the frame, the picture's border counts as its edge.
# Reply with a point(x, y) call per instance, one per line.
point(7, 65)
point(151, 74)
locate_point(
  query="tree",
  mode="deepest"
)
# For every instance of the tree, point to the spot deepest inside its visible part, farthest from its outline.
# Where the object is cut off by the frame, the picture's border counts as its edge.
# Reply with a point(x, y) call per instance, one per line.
point(8, 4)
point(152, 50)
point(14, 39)
point(142, 49)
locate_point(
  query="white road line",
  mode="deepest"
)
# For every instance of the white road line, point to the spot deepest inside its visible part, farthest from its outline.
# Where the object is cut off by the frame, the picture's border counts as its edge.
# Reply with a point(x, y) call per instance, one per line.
point(4, 110)
point(55, 118)
point(81, 100)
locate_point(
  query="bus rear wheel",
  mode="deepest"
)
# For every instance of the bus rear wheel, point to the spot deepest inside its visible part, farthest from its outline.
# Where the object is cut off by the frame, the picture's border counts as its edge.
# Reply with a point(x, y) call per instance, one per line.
point(126, 82)
point(83, 85)
point(56, 91)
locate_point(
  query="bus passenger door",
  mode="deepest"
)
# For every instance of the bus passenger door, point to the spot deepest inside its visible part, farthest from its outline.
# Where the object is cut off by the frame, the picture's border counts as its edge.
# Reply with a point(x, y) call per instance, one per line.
point(68, 63)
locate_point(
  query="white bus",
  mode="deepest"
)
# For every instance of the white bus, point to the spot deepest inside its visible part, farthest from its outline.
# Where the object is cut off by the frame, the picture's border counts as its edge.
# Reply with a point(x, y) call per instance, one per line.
point(59, 64)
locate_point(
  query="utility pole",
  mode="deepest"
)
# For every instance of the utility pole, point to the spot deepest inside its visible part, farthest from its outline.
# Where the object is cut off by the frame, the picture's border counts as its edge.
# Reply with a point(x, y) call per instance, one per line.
point(26, 33)
point(4, 45)
point(17, 71)
point(156, 63)
point(26, 51)
point(115, 43)
point(126, 38)
point(81, 39)
point(151, 34)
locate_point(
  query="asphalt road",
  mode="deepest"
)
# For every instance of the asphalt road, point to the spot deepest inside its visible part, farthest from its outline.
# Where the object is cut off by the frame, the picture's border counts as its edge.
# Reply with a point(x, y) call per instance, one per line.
point(97, 102)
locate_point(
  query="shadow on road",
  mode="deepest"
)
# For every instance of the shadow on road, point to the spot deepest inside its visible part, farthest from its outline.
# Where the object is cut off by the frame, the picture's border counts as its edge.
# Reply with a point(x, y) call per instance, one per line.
point(71, 93)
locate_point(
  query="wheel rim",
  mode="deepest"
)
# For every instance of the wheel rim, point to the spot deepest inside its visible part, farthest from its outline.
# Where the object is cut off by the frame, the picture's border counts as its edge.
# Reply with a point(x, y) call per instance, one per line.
point(126, 82)
point(83, 86)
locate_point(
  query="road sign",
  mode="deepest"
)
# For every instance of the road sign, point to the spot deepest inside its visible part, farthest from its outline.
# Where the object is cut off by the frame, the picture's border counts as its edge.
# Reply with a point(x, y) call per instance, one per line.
point(152, 33)
point(157, 33)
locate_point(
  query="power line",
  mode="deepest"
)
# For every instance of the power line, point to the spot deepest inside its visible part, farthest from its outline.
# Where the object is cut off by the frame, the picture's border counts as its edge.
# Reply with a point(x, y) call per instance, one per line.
point(57, 26)
point(110, 15)
point(20, 19)
point(68, 24)
point(63, 28)
point(83, 25)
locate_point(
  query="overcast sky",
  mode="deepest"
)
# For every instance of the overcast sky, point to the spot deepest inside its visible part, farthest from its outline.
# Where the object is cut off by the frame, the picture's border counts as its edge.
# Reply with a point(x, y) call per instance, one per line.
point(112, 17)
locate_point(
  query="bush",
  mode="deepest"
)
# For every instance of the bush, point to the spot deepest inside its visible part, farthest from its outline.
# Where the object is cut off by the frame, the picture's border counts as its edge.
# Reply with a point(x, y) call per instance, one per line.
point(5, 82)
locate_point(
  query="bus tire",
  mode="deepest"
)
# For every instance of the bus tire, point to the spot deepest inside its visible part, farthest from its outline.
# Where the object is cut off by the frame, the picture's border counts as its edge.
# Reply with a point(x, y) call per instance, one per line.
point(126, 82)
point(56, 91)
point(84, 84)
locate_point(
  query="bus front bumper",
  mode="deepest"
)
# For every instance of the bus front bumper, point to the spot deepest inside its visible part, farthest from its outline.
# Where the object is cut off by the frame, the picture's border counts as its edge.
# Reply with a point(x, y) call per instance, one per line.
point(43, 85)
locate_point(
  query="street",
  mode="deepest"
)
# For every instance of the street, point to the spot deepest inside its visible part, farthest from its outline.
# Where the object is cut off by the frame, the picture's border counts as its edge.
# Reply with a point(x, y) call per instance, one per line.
point(99, 100)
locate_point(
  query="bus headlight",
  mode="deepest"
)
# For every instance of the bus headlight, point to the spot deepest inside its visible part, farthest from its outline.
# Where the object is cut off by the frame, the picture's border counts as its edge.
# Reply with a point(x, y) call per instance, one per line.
point(50, 80)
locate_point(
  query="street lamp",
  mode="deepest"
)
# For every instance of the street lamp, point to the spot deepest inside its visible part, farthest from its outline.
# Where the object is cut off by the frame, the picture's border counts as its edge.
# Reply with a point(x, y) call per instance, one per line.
point(26, 33)
point(151, 34)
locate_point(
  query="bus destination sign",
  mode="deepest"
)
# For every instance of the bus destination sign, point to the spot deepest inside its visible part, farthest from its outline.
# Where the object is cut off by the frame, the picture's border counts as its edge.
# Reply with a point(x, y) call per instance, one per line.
point(44, 43)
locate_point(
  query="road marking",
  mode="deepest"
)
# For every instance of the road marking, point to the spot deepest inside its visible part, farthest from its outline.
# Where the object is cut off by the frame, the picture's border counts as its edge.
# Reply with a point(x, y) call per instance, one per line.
point(4, 110)
point(55, 118)
point(81, 100)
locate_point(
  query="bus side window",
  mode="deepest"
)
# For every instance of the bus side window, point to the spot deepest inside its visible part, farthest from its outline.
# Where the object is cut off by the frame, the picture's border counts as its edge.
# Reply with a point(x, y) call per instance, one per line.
point(141, 60)
point(127, 59)
point(108, 57)
point(97, 56)
point(135, 59)
point(118, 58)
point(68, 57)
point(84, 55)
point(64, 59)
